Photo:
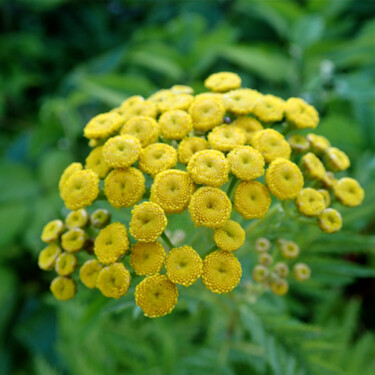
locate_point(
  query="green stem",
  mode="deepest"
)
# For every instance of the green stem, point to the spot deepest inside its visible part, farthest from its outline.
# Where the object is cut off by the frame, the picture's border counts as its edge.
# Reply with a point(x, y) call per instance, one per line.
point(231, 185)
point(167, 240)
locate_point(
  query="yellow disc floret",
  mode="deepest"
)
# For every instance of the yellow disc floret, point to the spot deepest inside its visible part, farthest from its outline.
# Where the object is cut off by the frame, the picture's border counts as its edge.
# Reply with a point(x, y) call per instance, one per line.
point(156, 296)
point(77, 219)
point(136, 106)
point(221, 272)
point(156, 158)
point(65, 264)
point(301, 271)
point(73, 240)
point(336, 160)
point(145, 129)
point(223, 81)
point(71, 169)
point(251, 199)
point(241, 101)
point(249, 125)
point(103, 125)
point(226, 137)
point(147, 258)
point(318, 143)
point(52, 231)
point(89, 273)
point(330, 220)
point(310, 202)
point(175, 124)
point(114, 280)
point(189, 146)
point(48, 256)
point(289, 249)
point(299, 143)
point(269, 109)
point(148, 222)
point(284, 179)
point(230, 237)
point(279, 287)
point(111, 243)
point(183, 265)
point(300, 114)
point(176, 101)
point(349, 192)
point(210, 207)
point(96, 162)
point(63, 288)
point(312, 167)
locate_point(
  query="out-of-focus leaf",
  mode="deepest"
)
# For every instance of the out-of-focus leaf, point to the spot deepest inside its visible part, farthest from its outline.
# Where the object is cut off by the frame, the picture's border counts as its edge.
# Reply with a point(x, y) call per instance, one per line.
point(307, 30)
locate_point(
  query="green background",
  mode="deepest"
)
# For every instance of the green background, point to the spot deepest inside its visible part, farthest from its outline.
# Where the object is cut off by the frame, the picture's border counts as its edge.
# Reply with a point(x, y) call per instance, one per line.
point(62, 62)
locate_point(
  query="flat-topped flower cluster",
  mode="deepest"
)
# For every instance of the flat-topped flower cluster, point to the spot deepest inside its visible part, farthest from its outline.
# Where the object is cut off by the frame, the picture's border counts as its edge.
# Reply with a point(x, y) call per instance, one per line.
point(191, 146)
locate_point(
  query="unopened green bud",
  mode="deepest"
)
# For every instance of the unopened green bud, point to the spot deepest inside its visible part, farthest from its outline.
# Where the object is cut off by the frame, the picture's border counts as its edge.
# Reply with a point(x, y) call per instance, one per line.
point(100, 218)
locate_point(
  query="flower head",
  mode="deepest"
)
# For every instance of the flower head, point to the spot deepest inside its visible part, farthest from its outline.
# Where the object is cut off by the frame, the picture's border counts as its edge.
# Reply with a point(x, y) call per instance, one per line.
point(336, 160)
point(145, 129)
point(349, 192)
point(241, 101)
point(89, 273)
point(48, 256)
point(289, 249)
point(312, 167)
point(175, 124)
point(65, 264)
point(249, 125)
point(318, 143)
point(269, 108)
point(114, 280)
point(136, 106)
point(260, 273)
point(301, 271)
point(230, 237)
point(223, 81)
point(310, 202)
point(300, 114)
point(299, 143)
point(52, 231)
point(147, 258)
point(63, 288)
point(77, 219)
point(156, 158)
point(262, 244)
point(69, 171)
point(100, 218)
point(73, 240)
point(226, 137)
point(180, 101)
point(330, 220)
point(103, 125)
point(279, 286)
point(96, 162)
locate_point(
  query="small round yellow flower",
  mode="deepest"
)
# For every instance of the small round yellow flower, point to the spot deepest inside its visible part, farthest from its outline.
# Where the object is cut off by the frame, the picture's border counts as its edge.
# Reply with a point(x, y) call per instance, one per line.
point(52, 231)
point(336, 160)
point(310, 202)
point(148, 222)
point(176, 101)
point(251, 199)
point(111, 243)
point(318, 143)
point(246, 163)
point(328, 180)
point(63, 288)
point(172, 190)
point(100, 218)
point(183, 266)
point(271, 144)
point(265, 259)
point(349, 192)
point(175, 124)
point(326, 197)
point(330, 221)
point(48, 256)
point(210, 207)
point(136, 106)
point(89, 273)
point(114, 280)
point(298, 143)
point(156, 158)
point(279, 287)
point(289, 250)
point(156, 295)
point(77, 219)
point(300, 114)
point(241, 101)
point(226, 137)
point(262, 244)
point(281, 269)
point(147, 258)
point(206, 112)
point(223, 81)
point(221, 272)
point(161, 95)
point(269, 109)
point(103, 125)
point(284, 179)
point(69, 171)
point(145, 129)
point(249, 125)
point(260, 273)
point(301, 272)
point(121, 151)
point(312, 167)
point(81, 189)
point(209, 167)
point(124, 187)
point(96, 162)
point(230, 237)
point(182, 89)
point(65, 264)
point(189, 146)
point(73, 240)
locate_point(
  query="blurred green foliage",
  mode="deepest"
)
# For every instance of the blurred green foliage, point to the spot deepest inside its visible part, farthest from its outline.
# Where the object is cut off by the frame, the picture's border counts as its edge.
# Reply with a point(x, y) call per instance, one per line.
point(62, 62)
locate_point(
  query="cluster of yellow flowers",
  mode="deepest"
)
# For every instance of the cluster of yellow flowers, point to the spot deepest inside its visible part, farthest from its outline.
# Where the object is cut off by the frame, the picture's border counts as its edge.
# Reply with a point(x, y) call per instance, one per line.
point(190, 146)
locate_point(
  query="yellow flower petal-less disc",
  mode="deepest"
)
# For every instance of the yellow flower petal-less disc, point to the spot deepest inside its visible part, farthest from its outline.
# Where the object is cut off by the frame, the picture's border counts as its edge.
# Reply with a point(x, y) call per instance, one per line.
point(175, 124)
point(147, 258)
point(48, 256)
point(71, 169)
point(336, 160)
point(156, 158)
point(269, 109)
point(300, 114)
point(223, 81)
point(52, 231)
point(89, 273)
point(226, 137)
point(63, 288)
point(65, 264)
point(114, 280)
point(330, 220)
point(96, 162)
point(349, 192)
point(145, 129)
point(249, 125)
point(310, 202)
point(318, 143)
point(73, 240)
point(230, 237)
point(189, 146)
point(241, 101)
point(77, 219)
point(103, 125)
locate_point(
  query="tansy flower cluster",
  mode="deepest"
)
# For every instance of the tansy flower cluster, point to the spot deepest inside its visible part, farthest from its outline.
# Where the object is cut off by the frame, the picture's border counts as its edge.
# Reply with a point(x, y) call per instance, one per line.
point(221, 158)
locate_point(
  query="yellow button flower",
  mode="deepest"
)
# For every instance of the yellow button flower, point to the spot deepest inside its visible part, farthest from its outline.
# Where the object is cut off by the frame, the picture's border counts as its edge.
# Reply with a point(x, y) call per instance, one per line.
point(124, 187)
point(336, 160)
point(175, 124)
point(326, 196)
point(189, 146)
point(100, 218)
point(221, 272)
point(210, 207)
point(300, 114)
point(111, 243)
point(246, 163)
point(241, 101)
point(147, 258)
point(137, 106)
point(69, 171)
point(182, 89)
point(281, 269)
point(279, 287)
point(206, 112)
point(328, 180)
point(52, 231)
point(183, 266)
point(65, 264)
point(269, 109)
point(121, 151)
point(172, 190)
point(349, 192)
point(289, 249)
point(249, 125)
point(260, 273)
point(310, 202)
point(284, 179)
point(265, 259)
point(73, 240)
point(156, 296)
point(145, 129)
point(89, 273)
point(301, 271)
point(318, 143)
point(148, 222)
point(114, 280)
point(156, 158)
point(262, 244)
point(271, 144)
point(103, 125)
point(48, 256)
point(176, 101)
point(226, 137)
point(299, 143)
point(81, 189)
point(96, 162)
point(77, 219)
point(209, 167)
point(312, 167)
point(230, 237)
point(63, 288)
point(330, 221)
point(160, 96)
point(251, 199)
point(223, 81)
